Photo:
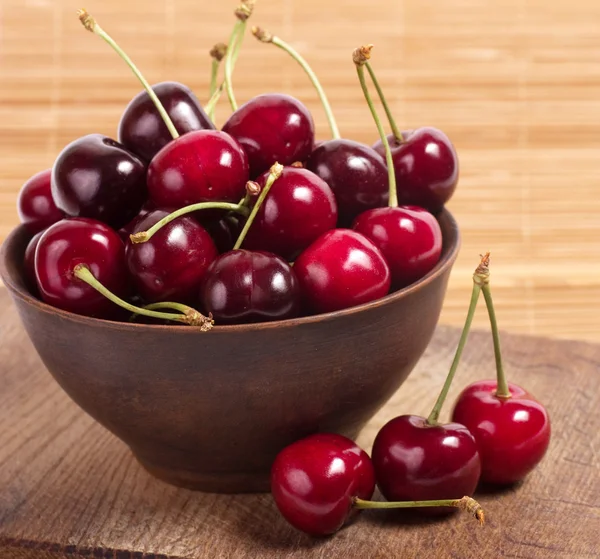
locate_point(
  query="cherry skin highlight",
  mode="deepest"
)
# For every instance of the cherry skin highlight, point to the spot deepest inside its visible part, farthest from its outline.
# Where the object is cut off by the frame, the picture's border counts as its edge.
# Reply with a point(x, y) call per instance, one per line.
point(35, 205)
point(341, 269)
point(86, 241)
point(272, 128)
point(314, 482)
point(202, 166)
point(142, 129)
point(410, 239)
point(513, 434)
point(297, 210)
point(245, 286)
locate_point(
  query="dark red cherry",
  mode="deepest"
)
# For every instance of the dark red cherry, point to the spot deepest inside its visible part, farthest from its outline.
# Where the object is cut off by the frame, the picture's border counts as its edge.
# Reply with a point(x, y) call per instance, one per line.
point(75, 241)
point(35, 205)
point(426, 167)
point(341, 269)
point(202, 166)
point(248, 286)
point(410, 239)
point(99, 178)
point(298, 209)
point(512, 434)
point(171, 265)
point(314, 482)
point(415, 461)
point(272, 128)
point(356, 173)
point(29, 261)
point(223, 230)
point(142, 129)
point(129, 228)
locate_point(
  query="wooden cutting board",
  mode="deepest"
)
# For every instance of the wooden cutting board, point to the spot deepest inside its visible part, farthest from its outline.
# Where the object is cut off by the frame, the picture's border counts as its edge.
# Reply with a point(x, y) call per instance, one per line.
point(69, 489)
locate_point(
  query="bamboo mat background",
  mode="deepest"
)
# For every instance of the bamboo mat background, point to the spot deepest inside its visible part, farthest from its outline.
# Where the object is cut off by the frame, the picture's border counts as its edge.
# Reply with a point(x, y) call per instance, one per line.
point(514, 83)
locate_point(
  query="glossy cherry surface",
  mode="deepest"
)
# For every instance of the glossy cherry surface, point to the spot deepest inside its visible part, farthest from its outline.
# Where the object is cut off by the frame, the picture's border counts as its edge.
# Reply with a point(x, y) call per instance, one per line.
point(142, 129)
point(341, 269)
point(426, 167)
point(298, 209)
point(512, 434)
point(314, 482)
point(29, 261)
point(75, 241)
point(223, 230)
point(272, 128)
point(415, 461)
point(248, 286)
point(35, 205)
point(409, 238)
point(202, 166)
point(171, 265)
point(99, 178)
point(356, 173)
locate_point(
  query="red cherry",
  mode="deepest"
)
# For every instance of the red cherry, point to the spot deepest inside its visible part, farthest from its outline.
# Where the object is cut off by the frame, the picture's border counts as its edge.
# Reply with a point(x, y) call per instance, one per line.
point(314, 482)
point(171, 264)
point(426, 167)
point(29, 261)
point(512, 434)
point(272, 128)
point(35, 205)
point(298, 209)
point(356, 173)
point(341, 269)
point(201, 166)
point(129, 228)
point(249, 286)
point(224, 230)
point(99, 178)
point(142, 129)
point(75, 241)
point(415, 461)
point(409, 238)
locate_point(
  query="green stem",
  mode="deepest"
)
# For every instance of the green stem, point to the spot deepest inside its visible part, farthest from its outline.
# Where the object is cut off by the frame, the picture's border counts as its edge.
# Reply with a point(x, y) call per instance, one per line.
point(395, 130)
point(234, 44)
point(393, 201)
point(91, 25)
point(274, 174)
point(189, 316)
point(212, 102)
point(502, 390)
point(435, 412)
point(466, 503)
point(213, 86)
point(144, 236)
point(267, 37)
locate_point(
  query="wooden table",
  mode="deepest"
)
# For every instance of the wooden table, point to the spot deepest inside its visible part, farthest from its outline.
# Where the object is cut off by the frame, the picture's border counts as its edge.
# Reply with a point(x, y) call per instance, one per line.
point(69, 489)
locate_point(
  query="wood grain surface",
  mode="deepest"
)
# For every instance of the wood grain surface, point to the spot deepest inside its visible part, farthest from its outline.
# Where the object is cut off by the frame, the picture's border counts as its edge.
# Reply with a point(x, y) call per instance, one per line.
point(70, 489)
point(514, 83)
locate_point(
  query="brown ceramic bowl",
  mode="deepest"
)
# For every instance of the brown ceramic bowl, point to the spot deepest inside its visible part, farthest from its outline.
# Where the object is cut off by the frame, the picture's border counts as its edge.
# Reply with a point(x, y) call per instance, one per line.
point(211, 410)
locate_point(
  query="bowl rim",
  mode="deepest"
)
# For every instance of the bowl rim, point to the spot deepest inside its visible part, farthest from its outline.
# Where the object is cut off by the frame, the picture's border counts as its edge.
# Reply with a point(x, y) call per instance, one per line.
point(451, 246)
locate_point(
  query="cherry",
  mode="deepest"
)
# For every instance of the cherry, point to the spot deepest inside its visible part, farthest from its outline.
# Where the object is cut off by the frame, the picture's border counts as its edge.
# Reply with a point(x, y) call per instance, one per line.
point(99, 178)
point(409, 238)
point(356, 174)
point(315, 480)
point(426, 167)
point(128, 228)
point(341, 269)
point(511, 427)
point(171, 264)
point(35, 205)
point(142, 129)
point(272, 128)
point(201, 166)
point(29, 261)
point(298, 209)
point(80, 241)
point(247, 286)
point(224, 231)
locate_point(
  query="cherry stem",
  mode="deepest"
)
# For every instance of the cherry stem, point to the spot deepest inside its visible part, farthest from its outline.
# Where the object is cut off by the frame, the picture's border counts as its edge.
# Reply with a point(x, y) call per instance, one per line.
point(360, 56)
point(482, 276)
point(395, 130)
point(274, 174)
point(212, 102)
point(266, 37)
point(189, 315)
point(91, 25)
point(466, 503)
point(144, 236)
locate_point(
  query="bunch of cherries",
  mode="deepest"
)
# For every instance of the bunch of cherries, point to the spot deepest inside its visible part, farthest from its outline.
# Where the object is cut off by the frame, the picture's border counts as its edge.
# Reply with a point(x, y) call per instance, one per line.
point(253, 222)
